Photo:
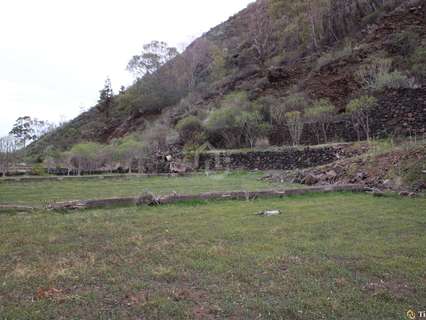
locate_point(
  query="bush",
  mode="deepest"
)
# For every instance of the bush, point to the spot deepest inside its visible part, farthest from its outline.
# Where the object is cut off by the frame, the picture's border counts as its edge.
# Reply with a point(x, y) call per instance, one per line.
point(329, 57)
point(403, 43)
point(418, 61)
point(38, 170)
point(377, 76)
point(236, 99)
point(392, 80)
point(223, 123)
point(191, 130)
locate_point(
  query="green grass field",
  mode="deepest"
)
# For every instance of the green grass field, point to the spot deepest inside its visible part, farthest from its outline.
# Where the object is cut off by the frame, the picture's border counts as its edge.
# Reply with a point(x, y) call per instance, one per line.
point(328, 256)
point(39, 192)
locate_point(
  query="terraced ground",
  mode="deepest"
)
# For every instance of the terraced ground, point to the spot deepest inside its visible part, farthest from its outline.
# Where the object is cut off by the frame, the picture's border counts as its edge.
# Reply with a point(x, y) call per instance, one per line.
point(328, 256)
point(40, 192)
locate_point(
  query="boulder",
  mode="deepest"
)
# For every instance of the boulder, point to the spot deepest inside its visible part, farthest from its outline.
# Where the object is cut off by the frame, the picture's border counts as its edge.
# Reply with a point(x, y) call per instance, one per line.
point(176, 167)
point(310, 179)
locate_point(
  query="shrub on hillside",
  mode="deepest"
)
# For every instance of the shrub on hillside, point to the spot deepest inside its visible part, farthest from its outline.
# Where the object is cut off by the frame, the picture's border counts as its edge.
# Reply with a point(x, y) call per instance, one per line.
point(329, 57)
point(223, 123)
point(377, 76)
point(191, 130)
point(418, 62)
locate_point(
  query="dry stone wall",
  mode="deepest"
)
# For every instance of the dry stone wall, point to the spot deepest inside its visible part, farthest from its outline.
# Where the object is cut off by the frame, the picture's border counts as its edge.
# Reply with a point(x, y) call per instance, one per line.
point(284, 159)
point(399, 112)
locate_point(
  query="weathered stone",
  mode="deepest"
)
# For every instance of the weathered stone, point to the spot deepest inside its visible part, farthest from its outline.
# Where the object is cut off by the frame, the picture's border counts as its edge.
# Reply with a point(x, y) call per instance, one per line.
point(311, 179)
point(150, 199)
point(269, 213)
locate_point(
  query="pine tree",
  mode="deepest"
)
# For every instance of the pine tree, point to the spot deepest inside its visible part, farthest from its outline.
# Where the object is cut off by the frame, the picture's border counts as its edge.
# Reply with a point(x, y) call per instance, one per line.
point(106, 98)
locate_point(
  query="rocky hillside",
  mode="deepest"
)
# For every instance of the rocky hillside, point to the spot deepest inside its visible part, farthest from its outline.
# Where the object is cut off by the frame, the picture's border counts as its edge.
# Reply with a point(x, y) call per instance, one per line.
point(271, 50)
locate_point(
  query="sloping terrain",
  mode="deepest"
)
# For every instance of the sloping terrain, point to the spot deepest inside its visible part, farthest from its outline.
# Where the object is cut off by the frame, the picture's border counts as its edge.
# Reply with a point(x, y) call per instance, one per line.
point(273, 48)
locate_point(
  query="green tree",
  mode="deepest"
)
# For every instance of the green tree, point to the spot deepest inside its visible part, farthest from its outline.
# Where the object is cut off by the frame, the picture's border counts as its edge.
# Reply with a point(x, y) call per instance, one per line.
point(8, 148)
point(130, 150)
point(295, 123)
point(359, 109)
point(296, 102)
point(85, 156)
point(106, 98)
point(320, 115)
point(252, 126)
point(23, 130)
point(153, 56)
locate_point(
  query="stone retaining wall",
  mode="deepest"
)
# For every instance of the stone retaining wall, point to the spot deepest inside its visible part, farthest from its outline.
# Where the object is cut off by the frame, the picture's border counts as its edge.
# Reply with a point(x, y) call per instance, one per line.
point(284, 159)
point(400, 112)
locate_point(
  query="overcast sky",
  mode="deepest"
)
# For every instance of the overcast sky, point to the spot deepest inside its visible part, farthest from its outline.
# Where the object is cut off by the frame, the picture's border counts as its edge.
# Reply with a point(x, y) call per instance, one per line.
point(55, 55)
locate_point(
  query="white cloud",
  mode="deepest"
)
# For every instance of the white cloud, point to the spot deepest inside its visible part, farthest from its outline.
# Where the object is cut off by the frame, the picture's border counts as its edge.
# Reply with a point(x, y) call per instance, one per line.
point(55, 55)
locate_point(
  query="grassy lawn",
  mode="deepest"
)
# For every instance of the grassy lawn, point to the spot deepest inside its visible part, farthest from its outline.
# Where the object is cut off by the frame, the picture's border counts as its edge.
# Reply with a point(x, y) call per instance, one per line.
point(328, 256)
point(39, 192)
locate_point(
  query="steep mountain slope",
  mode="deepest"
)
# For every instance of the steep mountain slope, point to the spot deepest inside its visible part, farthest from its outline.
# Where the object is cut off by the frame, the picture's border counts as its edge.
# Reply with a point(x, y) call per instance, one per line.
point(273, 48)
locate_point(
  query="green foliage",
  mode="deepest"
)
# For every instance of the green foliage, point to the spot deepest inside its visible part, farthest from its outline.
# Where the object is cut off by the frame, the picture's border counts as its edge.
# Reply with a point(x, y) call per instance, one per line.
point(403, 43)
point(295, 123)
point(320, 115)
point(418, 62)
point(392, 80)
point(377, 75)
point(296, 102)
point(223, 118)
point(191, 130)
point(87, 150)
point(359, 110)
point(153, 56)
point(329, 57)
point(38, 170)
point(362, 103)
point(252, 126)
point(320, 109)
point(218, 69)
point(128, 148)
point(106, 98)
point(23, 130)
point(85, 156)
point(236, 99)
